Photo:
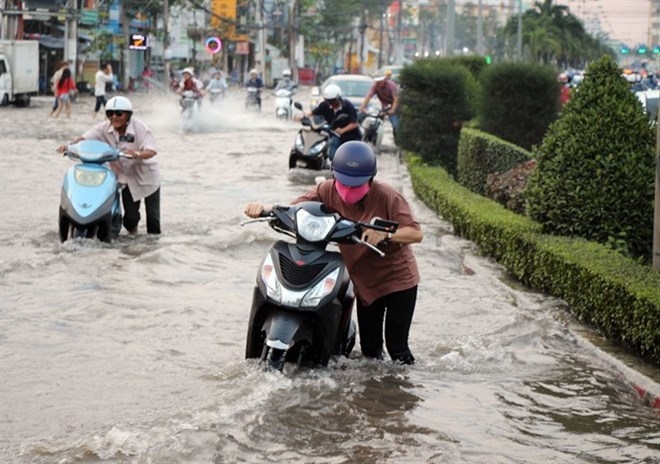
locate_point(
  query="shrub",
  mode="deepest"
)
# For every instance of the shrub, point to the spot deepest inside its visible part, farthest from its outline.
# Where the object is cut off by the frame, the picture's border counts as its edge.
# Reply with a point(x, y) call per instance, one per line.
point(436, 99)
point(508, 188)
point(481, 154)
point(616, 294)
point(596, 167)
point(518, 102)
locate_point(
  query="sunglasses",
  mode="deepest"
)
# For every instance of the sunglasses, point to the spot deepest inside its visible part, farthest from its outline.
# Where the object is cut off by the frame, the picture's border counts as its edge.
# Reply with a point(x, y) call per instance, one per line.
point(117, 113)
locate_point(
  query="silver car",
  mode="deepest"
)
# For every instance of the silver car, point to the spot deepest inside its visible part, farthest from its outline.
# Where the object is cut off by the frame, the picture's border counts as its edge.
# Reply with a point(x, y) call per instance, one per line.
point(354, 87)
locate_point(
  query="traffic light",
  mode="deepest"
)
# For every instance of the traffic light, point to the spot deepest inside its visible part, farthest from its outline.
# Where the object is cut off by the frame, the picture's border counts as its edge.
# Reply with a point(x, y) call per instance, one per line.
point(641, 50)
point(489, 59)
point(656, 50)
point(624, 50)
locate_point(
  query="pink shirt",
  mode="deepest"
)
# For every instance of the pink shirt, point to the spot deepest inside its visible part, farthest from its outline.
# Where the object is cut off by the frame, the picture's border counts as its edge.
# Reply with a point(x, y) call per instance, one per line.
point(385, 93)
point(373, 276)
point(141, 176)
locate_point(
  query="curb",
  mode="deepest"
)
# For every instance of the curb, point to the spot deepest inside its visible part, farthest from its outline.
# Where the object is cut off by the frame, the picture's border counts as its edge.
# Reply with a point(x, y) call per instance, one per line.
point(647, 389)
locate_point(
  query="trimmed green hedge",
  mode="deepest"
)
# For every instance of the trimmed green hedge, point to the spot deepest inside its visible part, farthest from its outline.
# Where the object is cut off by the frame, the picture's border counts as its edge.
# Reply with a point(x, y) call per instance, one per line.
point(614, 293)
point(480, 154)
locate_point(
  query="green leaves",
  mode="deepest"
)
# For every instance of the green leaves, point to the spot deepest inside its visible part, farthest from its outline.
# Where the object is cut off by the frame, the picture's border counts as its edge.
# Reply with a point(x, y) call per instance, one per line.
point(596, 167)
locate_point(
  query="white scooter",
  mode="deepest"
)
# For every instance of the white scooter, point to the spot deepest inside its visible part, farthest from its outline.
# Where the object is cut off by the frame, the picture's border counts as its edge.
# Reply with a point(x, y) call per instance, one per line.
point(284, 102)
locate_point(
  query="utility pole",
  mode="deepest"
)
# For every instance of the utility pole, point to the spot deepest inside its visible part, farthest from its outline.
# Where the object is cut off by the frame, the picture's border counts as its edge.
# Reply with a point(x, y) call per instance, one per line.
point(656, 216)
point(399, 42)
point(71, 36)
point(167, 53)
point(362, 29)
point(451, 28)
point(480, 29)
point(380, 39)
point(261, 40)
point(519, 35)
point(293, 41)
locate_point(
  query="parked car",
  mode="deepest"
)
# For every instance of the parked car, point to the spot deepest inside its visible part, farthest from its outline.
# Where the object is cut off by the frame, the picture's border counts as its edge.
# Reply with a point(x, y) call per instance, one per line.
point(354, 87)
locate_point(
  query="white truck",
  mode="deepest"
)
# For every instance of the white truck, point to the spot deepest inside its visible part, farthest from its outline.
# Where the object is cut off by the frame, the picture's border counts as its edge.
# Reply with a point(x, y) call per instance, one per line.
point(19, 71)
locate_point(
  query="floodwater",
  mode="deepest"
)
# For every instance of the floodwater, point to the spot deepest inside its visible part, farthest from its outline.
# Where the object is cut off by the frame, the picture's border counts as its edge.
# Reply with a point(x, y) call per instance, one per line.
point(133, 352)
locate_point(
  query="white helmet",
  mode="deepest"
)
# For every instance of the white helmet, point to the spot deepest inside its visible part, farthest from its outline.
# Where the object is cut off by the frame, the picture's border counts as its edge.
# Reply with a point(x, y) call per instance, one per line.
point(190, 71)
point(119, 103)
point(286, 72)
point(331, 92)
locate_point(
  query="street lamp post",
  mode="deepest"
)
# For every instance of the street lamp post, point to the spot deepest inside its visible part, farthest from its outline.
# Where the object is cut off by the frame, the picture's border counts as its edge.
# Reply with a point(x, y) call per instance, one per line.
point(519, 34)
point(362, 29)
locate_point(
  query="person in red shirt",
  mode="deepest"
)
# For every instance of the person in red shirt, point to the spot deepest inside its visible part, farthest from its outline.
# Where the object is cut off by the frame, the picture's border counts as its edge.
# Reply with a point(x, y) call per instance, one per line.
point(64, 87)
point(386, 288)
point(564, 89)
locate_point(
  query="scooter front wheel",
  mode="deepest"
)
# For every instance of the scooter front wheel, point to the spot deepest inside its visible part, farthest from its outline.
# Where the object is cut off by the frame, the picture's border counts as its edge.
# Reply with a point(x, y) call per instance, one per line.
point(275, 359)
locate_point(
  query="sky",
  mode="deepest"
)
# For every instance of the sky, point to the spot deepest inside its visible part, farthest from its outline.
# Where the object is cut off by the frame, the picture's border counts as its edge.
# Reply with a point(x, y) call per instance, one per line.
point(624, 20)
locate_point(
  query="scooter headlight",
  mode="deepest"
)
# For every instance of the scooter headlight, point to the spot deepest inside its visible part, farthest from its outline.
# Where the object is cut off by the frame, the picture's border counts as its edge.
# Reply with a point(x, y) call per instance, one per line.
point(313, 228)
point(270, 280)
point(321, 290)
point(300, 146)
point(317, 147)
point(89, 178)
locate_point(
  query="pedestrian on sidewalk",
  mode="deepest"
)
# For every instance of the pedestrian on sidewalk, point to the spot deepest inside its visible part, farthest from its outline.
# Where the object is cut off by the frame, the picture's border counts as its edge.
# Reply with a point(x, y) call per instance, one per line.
point(55, 79)
point(102, 78)
point(65, 87)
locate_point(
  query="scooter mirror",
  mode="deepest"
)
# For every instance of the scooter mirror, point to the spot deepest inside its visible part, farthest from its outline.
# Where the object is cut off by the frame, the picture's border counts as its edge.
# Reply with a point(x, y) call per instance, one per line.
point(298, 105)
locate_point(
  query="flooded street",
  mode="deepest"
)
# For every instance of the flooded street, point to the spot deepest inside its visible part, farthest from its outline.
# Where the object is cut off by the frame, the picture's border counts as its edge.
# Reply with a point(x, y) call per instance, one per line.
point(133, 352)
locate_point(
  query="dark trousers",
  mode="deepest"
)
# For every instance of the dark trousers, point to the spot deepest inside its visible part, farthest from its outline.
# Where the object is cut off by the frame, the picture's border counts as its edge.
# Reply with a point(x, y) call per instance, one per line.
point(132, 211)
point(396, 310)
point(100, 101)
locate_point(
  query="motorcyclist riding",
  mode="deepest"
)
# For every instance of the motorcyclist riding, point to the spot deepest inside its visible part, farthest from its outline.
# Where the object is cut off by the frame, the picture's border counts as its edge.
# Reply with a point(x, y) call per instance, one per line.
point(217, 83)
point(190, 83)
point(256, 82)
point(330, 108)
point(286, 82)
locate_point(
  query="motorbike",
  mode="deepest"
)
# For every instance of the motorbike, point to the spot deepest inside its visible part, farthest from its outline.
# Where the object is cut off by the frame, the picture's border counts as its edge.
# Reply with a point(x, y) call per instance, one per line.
point(189, 100)
point(90, 203)
point(252, 99)
point(216, 95)
point(372, 125)
point(284, 103)
point(303, 300)
point(310, 148)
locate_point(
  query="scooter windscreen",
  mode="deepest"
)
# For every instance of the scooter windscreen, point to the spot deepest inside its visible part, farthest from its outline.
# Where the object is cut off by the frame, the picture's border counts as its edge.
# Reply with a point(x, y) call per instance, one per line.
point(94, 151)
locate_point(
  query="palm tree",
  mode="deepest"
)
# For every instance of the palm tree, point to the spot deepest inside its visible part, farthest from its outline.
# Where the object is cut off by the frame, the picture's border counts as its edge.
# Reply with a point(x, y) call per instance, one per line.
point(551, 34)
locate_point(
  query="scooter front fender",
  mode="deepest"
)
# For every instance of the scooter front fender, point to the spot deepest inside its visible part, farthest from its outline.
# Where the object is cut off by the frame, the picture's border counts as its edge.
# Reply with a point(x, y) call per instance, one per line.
point(85, 204)
point(284, 329)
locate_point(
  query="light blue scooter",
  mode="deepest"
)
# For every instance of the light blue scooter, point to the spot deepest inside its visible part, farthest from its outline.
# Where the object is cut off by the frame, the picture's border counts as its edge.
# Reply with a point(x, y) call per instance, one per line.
point(90, 205)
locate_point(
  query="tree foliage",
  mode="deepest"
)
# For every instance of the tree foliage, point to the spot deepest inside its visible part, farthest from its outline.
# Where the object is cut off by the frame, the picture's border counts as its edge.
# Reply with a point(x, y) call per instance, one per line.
point(596, 167)
point(552, 34)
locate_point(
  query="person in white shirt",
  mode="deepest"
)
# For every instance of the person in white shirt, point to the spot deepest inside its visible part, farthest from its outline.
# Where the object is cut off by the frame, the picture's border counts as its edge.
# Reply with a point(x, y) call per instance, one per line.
point(140, 173)
point(102, 78)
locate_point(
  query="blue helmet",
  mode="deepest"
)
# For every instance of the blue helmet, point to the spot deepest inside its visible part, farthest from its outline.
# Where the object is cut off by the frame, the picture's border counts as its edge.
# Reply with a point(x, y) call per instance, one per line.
point(354, 163)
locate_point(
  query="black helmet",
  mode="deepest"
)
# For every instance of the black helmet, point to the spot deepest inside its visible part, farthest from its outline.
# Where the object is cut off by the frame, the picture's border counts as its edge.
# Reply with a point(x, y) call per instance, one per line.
point(354, 163)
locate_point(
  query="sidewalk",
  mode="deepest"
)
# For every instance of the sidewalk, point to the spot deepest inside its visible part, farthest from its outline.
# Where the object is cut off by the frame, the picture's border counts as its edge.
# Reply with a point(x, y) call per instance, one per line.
point(643, 378)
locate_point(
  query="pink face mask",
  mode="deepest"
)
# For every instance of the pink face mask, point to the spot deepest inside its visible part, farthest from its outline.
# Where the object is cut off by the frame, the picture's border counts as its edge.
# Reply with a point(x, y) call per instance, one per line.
point(351, 195)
